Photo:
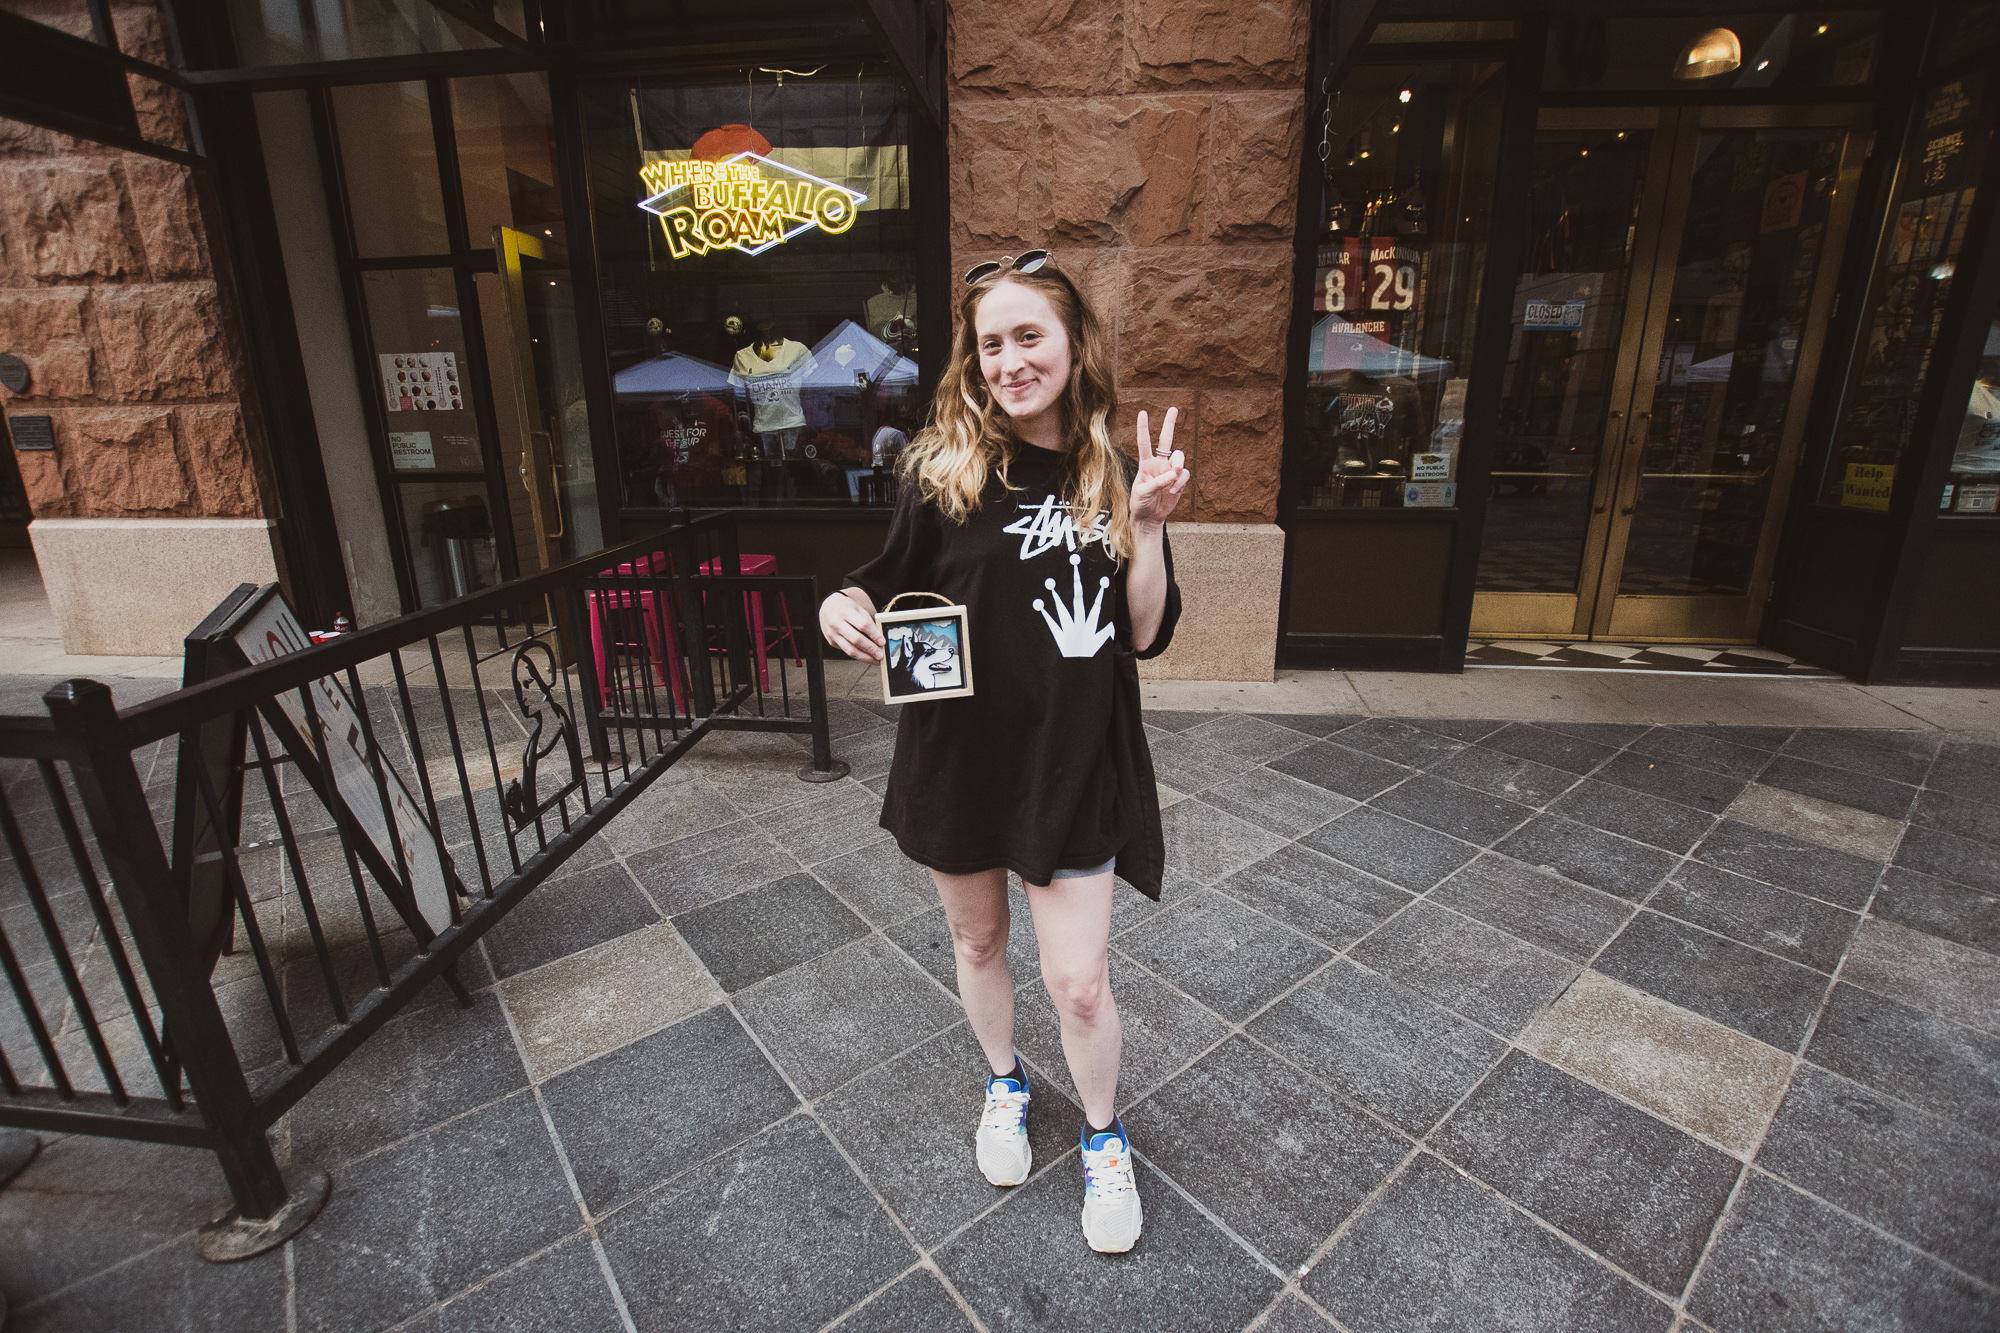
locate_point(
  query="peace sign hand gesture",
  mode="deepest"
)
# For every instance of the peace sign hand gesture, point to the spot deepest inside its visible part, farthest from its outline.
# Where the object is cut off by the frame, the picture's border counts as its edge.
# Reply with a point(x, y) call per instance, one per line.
point(1162, 476)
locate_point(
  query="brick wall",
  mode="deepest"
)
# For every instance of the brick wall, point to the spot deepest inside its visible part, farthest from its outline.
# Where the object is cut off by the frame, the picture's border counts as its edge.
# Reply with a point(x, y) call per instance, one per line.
point(1153, 146)
point(108, 291)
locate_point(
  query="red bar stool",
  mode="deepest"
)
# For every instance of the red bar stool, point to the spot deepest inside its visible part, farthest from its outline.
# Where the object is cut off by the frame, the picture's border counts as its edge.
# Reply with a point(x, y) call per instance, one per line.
point(749, 564)
point(606, 627)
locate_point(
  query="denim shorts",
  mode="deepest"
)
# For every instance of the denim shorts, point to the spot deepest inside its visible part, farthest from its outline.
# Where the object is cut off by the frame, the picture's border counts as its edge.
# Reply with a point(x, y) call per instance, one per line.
point(1086, 874)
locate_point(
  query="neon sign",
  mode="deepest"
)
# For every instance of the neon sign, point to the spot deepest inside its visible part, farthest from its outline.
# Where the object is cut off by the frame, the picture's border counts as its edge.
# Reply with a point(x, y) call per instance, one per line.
point(745, 201)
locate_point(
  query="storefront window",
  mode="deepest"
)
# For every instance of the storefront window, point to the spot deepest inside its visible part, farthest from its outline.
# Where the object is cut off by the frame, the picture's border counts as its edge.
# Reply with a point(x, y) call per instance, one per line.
point(388, 161)
point(1811, 49)
point(756, 247)
point(1407, 195)
point(1974, 487)
point(507, 156)
point(289, 32)
point(1925, 231)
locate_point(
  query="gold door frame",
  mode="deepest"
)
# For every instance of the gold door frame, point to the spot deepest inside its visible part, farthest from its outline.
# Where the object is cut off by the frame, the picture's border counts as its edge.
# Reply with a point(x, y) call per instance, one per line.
point(538, 460)
point(1596, 609)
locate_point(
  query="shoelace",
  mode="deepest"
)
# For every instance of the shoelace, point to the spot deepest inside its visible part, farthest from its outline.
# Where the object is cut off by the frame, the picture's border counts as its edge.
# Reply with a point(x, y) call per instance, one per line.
point(1106, 1173)
point(1006, 1110)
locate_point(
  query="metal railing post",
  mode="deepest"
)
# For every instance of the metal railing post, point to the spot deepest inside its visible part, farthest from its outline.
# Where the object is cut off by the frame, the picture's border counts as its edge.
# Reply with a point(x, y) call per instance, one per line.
point(825, 768)
point(269, 1207)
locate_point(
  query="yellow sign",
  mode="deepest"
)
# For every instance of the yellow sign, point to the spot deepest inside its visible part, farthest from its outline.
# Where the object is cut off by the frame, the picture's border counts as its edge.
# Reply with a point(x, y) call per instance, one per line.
point(746, 201)
point(1868, 485)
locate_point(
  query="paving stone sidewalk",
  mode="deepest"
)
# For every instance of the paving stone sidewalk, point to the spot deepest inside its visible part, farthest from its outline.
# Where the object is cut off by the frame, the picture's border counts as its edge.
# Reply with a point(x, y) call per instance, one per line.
point(1441, 1025)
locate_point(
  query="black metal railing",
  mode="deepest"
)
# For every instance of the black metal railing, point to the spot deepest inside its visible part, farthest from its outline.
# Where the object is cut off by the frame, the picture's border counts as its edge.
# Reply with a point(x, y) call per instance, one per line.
point(211, 899)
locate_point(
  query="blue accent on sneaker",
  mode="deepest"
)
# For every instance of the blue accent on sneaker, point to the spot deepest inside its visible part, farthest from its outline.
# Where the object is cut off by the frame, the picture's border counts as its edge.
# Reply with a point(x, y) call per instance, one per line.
point(1017, 1081)
point(1100, 1139)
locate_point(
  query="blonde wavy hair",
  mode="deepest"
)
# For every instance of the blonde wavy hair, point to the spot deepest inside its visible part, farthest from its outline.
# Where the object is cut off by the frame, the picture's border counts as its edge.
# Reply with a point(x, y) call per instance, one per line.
point(970, 436)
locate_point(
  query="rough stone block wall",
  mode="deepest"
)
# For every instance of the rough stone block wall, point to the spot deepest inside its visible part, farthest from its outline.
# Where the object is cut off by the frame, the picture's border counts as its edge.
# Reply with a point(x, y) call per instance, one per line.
point(1153, 146)
point(108, 292)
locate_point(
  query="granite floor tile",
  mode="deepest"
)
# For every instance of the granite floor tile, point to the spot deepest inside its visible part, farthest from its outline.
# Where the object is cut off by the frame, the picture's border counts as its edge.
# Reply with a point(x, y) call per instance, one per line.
point(1918, 1177)
point(916, 1304)
point(1507, 776)
point(1636, 1190)
point(1772, 919)
point(1670, 780)
point(1956, 815)
point(625, 1118)
point(1576, 851)
point(1246, 737)
point(1553, 913)
point(1333, 903)
point(1025, 1265)
point(1615, 734)
point(1186, 765)
point(746, 768)
point(1400, 742)
point(1403, 853)
point(1967, 768)
point(762, 932)
point(1163, 1031)
point(466, 1199)
point(165, 1291)
point(867, 754)
point(1939, 907)
point(909, 1124)
point(1840, 827)
point(1294, 1314)
point(1763, 995)
point(927, 940)
point(1931, 1062)
point(1691, 1071)
point(1380, 1043)
point(1725, 753)
point(1316, 725)
point(561, 1291)
point(1273, 801)
point(1763, 738)
point(1338, 769)
point(1841, 786)
point(1633, 814)
point(598, 1000)
point(1280, 1162)
point(566, 915)
point(1786, 1263)
point(1228, 957)
point(880, 883)
point(837, 818)
point(1451, 808)
point(1933, 974)
point(1803, 867)
point(1572, 754)
point(1932, 851)
point(820, 1241)
point(696, 871)
point(829, 1020)
point(1437, 1252)
point(1470, 968)
point(1205, 844)
point(667, 812)
point(1900, 756)
point(415, 1071)
point(1466, 729)
point(1168, 719)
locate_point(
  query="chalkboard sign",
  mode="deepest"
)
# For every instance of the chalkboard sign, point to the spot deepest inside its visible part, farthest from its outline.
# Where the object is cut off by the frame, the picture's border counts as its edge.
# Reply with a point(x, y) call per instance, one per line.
point(32, 433)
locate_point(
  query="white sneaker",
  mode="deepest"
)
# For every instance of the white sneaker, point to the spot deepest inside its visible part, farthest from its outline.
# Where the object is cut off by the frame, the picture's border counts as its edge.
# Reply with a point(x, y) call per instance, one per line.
point(1002, 1142)
point(1111, 1213)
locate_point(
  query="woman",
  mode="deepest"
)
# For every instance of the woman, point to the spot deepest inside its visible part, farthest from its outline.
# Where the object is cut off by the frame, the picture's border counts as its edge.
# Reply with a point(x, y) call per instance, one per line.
point(1015, 503)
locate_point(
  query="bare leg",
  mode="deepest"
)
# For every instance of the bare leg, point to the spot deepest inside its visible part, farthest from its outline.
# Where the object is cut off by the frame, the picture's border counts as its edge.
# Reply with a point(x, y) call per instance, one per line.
point(976, 907)
point(1073, 926)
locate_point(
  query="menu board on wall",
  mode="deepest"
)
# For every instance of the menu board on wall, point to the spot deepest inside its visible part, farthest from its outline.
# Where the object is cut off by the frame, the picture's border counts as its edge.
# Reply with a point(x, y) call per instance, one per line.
point(421, 381)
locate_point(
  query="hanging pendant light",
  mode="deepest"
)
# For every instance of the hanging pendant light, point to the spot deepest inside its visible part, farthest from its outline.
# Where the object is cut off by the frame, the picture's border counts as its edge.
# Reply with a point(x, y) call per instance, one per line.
point(1714, 52)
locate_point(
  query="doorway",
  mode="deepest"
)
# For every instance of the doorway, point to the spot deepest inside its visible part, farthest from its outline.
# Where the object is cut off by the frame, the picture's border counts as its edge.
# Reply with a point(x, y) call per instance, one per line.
point(1668, 323)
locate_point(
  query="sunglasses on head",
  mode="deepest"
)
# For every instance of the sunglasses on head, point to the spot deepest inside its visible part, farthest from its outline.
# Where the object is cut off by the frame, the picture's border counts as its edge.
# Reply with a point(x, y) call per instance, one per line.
point(1027, 263)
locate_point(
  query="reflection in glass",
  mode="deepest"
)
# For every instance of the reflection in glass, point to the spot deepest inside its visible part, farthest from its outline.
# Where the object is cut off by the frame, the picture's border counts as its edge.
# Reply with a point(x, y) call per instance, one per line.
point(388, 159)
point(1749, 253)
point(287, 32)
point(1974, 487)
point(1808, 49)
point(756, 246)
point(1930, 211)
point(418, 347)
point(1404, 209)
point(1569, 309)
point(506, 155)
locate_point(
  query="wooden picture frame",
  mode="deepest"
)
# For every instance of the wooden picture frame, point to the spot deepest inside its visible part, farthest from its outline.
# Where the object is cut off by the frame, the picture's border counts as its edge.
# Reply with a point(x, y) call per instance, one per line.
point(928, 654)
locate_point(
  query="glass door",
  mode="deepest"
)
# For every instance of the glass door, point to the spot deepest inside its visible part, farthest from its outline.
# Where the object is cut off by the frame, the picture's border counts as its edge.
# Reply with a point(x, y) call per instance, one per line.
point(557, 468)
point(1667, 327)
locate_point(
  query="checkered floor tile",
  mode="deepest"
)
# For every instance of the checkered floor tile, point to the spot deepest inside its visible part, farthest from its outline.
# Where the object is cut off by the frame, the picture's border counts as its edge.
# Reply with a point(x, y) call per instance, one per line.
point(1709, 660)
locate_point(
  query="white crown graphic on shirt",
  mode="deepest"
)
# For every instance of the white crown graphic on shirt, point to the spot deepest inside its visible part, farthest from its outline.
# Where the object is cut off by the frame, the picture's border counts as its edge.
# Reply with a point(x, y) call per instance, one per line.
point(1075, 635)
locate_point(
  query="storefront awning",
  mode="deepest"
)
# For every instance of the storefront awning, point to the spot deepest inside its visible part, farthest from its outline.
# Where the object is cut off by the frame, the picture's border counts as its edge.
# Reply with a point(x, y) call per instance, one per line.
point(676, 373)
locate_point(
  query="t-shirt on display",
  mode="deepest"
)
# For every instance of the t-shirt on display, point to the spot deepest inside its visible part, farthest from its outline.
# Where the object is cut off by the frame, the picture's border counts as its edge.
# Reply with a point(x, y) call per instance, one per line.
point(773, 385)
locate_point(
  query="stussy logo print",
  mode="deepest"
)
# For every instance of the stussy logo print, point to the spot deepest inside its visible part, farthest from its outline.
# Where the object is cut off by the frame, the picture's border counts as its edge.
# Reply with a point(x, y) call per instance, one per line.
point(1045, 526)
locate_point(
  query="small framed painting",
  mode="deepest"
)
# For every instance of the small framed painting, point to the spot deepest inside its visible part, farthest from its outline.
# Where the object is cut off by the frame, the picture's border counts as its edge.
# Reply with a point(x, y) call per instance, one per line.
point(928, 654)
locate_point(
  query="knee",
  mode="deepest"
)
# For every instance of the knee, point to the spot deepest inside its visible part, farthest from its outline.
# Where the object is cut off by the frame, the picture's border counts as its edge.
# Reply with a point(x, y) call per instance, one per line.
point(1081, 997)
point(979, 945)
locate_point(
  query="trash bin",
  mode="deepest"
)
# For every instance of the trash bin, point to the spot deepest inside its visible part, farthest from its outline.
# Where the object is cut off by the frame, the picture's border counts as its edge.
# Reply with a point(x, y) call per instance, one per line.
point(460, 535)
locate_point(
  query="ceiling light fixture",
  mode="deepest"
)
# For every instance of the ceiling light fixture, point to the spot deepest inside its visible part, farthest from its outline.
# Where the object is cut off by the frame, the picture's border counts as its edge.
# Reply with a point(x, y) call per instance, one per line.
point(1714, 52)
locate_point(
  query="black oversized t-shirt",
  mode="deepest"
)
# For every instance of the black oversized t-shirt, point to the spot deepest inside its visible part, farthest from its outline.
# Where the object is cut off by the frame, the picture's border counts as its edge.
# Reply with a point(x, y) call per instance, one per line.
point(1020, 774)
